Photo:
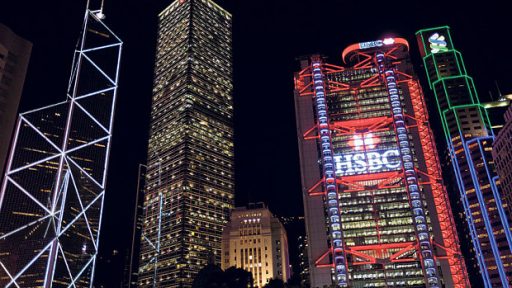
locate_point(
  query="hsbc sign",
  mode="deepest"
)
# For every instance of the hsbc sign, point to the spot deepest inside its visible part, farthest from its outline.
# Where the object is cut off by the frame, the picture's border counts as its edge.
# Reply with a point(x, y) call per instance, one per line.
point(369, 162)
point(377, 43)
point(366, 162)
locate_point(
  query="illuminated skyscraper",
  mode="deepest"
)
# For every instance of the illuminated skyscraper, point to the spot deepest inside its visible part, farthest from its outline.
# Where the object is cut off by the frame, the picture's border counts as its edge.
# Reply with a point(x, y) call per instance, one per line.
point(54, 186)
point(469, 138)
point(256, 241)
point(14, 55)
point(190, 183)
point(370, 171)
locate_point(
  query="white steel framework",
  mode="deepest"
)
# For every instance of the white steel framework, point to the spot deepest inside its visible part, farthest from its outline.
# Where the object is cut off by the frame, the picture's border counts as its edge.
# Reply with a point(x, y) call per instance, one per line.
point(51, 199)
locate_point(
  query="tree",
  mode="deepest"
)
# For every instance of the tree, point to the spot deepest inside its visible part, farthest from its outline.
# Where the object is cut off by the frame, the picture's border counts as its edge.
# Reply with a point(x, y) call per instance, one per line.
point(275, 283)
point(294, 281)
point(211, 276)
point(238, 278)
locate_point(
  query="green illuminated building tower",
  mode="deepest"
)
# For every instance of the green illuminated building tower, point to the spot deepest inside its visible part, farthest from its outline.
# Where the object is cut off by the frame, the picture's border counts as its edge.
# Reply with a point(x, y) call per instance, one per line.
point(469, 138)
point(190, 183)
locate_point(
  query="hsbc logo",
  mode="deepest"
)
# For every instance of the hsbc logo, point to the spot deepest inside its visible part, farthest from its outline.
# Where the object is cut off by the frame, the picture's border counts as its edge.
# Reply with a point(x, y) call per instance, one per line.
point(363, 141)
point(366, 162)
point(377, 43)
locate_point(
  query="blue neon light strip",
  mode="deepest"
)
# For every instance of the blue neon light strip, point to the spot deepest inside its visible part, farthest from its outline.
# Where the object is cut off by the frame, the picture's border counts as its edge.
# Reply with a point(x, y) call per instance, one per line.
point(496, 193)
point(474, 234)
point(499, 204)
point(483, 206)
point(469, 219)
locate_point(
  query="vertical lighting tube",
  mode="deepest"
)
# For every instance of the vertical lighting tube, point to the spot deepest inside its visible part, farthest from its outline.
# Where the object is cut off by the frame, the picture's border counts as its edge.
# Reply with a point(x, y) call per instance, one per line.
point(411, 178)
point(332, 203)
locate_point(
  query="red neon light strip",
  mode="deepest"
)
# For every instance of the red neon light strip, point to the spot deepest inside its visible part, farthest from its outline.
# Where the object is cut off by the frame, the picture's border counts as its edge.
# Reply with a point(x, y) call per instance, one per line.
point(359, 124)
point(409, 248)
point(442, 204)
point(381, 246)
point(368, 177)
point(331, 69)
point(315, 187)
point(370, 82)
point(370, 259)
point(322, 257)
point(311, 130)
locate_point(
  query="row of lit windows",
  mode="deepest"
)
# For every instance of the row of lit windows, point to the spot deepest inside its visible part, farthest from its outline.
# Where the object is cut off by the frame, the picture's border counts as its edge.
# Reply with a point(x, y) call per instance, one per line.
point(369, 200)
point(380, 239)
point(372, 232)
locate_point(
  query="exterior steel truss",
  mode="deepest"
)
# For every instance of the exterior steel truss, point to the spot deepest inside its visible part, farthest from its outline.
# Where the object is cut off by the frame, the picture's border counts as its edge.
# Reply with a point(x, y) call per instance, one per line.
point(53, 191)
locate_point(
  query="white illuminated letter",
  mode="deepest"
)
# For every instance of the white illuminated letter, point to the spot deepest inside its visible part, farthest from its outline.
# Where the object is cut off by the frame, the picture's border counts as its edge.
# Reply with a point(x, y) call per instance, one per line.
point(339, 167)
point(374, 161)
point(348, 162)
point(360, 164)
point(388, 154)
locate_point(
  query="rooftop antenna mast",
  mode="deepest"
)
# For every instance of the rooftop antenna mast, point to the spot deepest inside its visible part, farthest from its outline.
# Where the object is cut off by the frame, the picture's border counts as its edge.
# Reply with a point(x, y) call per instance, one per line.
point(500, 96)
point(99, 12)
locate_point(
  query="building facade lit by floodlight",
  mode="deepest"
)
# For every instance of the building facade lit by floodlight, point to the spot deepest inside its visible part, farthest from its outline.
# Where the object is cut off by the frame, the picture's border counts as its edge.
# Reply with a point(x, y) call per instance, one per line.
point(256, 241)
point(54, 186)
point(470, 137)
point(377, 213)
point(190, 175)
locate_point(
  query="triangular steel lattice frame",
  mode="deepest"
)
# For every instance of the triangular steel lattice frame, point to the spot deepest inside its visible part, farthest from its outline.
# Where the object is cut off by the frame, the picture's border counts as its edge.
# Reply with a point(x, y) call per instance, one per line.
point(52, 195)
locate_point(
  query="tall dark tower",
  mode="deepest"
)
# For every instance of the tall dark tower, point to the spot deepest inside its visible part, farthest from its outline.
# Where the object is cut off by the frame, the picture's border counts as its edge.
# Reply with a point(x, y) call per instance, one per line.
point(190, 181)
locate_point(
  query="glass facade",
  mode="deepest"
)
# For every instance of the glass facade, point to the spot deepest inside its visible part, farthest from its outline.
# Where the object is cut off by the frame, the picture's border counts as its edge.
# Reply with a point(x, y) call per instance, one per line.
point(470, 138)
point(390, 206)
point(190, 183)
point(54, 187)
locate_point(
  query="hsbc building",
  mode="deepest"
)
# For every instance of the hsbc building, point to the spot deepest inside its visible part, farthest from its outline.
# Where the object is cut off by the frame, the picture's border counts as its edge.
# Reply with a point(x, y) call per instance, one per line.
point(377, 213)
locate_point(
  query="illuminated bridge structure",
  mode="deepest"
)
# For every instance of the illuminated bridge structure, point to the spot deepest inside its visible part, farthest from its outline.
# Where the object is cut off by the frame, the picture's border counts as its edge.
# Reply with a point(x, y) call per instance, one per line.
point(395, 221)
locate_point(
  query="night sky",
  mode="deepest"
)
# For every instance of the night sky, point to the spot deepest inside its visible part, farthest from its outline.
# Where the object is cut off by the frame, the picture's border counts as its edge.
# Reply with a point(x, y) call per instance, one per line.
point(268, 38)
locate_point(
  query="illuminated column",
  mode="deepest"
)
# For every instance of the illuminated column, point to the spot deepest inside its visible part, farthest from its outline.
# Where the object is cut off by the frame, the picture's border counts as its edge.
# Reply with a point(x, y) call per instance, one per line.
point(469, 138)
point(52, 195)
point(411, 179)
point(331, 189)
